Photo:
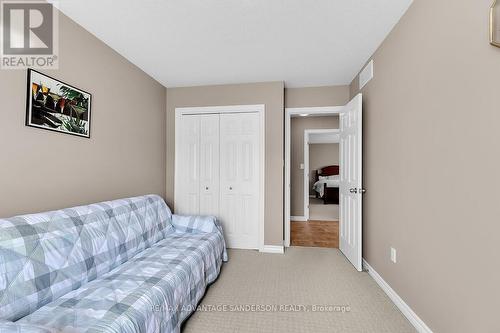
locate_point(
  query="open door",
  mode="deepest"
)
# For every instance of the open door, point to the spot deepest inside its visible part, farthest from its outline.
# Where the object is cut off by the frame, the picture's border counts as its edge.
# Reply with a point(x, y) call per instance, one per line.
point(351, 189)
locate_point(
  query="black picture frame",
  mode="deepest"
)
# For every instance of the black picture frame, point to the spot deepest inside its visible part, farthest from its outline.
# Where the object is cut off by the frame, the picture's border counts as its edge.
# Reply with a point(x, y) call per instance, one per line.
point(54, 105)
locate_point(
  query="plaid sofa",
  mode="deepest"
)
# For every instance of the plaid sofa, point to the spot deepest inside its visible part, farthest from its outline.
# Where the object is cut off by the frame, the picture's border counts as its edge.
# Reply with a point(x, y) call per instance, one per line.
point(120, 266)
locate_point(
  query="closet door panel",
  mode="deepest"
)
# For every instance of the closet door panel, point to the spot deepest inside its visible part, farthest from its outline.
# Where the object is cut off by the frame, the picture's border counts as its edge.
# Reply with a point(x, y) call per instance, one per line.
point(188, 182)
point(209, 165)
point(239, 205)
point(228, 213)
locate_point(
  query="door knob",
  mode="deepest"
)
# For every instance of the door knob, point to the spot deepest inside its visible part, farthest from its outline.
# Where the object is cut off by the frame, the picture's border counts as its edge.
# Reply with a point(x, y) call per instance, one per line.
point(362, 191)
point(206, 188)
point(353, 190)
point(230, 188)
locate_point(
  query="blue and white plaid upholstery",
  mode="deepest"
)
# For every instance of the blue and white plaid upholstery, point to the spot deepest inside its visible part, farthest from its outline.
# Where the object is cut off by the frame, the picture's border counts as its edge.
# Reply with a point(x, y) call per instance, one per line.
point(121, 266)
point(10, 327)
point(196, 223)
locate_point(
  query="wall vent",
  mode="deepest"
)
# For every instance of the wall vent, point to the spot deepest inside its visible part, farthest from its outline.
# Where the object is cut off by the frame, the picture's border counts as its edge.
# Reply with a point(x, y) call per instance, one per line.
point(366, 74)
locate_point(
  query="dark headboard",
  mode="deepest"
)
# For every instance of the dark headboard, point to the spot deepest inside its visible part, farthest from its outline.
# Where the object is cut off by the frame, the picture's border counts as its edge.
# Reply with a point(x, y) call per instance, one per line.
point(327, 171)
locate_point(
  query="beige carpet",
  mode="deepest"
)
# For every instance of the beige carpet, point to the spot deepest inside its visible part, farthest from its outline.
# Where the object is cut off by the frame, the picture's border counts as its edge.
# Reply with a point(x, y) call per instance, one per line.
point(301, 277)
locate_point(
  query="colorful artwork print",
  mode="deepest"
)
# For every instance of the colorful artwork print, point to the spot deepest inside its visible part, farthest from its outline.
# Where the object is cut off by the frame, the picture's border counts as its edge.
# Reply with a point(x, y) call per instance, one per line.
point(57, 106)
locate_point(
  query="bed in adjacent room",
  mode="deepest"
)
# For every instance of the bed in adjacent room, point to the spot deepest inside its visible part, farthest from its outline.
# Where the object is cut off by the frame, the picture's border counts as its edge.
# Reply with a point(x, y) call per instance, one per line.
point(326, 184)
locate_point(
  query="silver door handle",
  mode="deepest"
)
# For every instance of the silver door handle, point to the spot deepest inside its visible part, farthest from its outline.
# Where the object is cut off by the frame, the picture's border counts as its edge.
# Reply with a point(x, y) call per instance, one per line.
point(362, 191)
point(353, 190)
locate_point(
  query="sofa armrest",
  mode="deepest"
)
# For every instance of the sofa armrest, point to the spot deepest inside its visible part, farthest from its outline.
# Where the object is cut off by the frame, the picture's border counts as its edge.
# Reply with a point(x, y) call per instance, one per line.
point(11, 327)
point(196, 224)
point(199, 224)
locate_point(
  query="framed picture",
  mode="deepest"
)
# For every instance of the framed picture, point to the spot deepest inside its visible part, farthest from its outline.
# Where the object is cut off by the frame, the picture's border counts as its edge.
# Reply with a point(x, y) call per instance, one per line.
point(495, 23)
point(57, 106)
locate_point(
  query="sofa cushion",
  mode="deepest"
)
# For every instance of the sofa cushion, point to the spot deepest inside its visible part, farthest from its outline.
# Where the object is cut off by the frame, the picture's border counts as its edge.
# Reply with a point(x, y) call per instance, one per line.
point(44, 256)
point(152, 292)
point(10, 327)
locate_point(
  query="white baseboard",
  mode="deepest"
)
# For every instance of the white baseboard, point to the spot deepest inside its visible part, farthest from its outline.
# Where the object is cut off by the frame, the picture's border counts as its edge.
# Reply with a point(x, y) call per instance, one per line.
point(273, 249)
point(412, 317)
point(298, 218)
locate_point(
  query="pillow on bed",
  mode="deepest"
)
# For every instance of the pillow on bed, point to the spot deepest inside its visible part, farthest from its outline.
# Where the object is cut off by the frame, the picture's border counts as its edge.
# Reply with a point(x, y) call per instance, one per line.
point(333, 177)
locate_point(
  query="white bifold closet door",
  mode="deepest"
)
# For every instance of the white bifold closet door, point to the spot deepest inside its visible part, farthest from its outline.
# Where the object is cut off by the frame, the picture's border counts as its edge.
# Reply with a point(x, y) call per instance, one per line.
point(209, 165)
point(218, 173)
point(239, 166)
point(198, 174)
point(187, 200)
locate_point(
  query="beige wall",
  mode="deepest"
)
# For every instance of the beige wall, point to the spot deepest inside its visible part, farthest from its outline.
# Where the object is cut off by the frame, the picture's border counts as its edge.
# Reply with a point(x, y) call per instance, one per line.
point(43, 170)
point(316, 96)
point(431, 120)
point(274, 95)
point(297, 127)
point(321, 155)
point(270, 94)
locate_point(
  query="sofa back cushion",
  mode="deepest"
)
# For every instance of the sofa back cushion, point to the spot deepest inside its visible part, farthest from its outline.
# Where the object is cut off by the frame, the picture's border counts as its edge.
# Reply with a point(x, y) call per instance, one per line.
point(44, 256)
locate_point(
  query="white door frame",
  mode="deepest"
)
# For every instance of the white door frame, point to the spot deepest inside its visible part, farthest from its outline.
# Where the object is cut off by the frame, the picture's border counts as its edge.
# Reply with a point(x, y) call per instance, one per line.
point(253, 108)
point(289, 112)
point(307, 134)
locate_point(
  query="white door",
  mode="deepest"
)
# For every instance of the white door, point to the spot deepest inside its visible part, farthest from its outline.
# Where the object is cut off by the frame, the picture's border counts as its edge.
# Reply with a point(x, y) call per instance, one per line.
point(209, 164)
point(187, 199)
point(198, 174)
point(239, 175)
point(351, 181)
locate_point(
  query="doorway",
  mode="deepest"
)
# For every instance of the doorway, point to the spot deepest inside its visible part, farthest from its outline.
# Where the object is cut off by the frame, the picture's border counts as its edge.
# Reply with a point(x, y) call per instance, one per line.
point(314, 158)
point(321, 172)
point(349, 170)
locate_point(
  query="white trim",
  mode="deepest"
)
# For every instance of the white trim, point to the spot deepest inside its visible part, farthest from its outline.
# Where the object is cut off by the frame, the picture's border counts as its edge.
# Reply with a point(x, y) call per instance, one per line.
point(262, 192)
point(324, 138)
point(412, 317)
point(305, 174)
point(257, 108)
point(328, 110)
point(286, 184)
point(315, 111)
point(322, 131)
point(273, 249)
point(220, 109)
point(298, 218)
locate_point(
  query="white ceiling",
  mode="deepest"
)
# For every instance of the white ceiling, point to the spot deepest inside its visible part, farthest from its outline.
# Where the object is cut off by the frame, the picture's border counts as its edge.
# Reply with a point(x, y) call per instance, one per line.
point(201, 42)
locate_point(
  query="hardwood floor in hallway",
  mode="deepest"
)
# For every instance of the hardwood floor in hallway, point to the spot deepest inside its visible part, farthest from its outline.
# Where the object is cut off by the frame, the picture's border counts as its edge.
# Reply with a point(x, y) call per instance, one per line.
point(315, 234)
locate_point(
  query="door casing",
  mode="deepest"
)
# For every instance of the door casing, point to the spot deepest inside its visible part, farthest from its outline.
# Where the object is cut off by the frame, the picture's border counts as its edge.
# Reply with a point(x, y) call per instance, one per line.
point(289, 112)
point(307, 134)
